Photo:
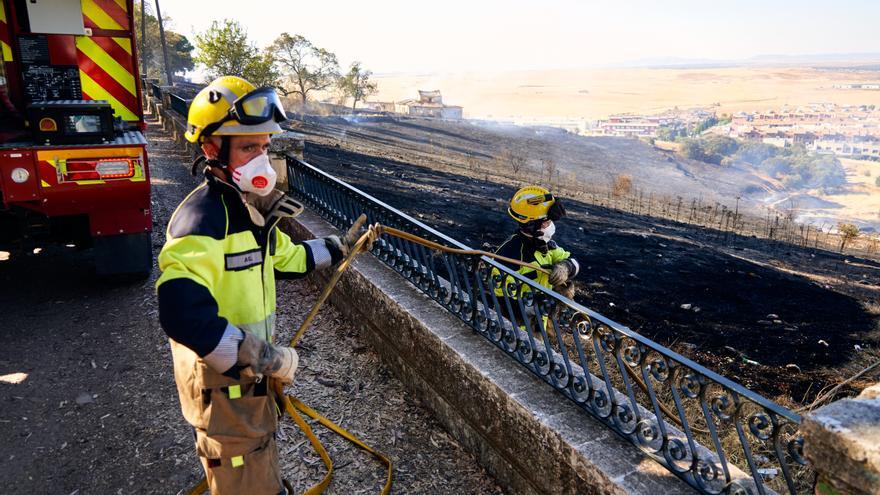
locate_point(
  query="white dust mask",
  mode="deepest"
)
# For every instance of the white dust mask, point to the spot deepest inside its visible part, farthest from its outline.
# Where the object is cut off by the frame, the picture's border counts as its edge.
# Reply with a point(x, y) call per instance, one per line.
point(256, 176)
point(547, 232)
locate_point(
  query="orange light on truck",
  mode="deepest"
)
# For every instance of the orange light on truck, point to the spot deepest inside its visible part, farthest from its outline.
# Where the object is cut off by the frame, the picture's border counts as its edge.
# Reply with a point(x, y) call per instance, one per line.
point(113, 168)
point(48, 125)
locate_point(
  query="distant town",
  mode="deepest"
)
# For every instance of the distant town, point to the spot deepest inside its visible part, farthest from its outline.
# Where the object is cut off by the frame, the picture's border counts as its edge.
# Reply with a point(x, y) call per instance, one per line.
point(825, 128)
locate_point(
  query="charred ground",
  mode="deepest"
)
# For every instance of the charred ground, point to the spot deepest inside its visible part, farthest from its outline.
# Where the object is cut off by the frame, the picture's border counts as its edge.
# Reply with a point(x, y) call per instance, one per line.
point(802, 315)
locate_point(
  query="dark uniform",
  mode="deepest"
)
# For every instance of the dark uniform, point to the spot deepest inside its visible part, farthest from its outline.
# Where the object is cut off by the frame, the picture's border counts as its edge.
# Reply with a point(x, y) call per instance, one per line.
point(534, 251)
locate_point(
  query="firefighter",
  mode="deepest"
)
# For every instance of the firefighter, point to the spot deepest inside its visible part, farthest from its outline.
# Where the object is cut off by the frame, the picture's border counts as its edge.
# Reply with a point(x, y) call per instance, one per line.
point(217, 287)
point(536, 211)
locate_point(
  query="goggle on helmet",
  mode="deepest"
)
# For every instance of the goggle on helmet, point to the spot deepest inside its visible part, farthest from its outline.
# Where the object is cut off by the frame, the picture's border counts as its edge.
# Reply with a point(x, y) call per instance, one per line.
point(251, 109)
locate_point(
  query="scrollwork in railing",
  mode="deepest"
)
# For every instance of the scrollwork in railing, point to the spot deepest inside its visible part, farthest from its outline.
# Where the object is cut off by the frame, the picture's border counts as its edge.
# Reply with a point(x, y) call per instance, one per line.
point(714, 434)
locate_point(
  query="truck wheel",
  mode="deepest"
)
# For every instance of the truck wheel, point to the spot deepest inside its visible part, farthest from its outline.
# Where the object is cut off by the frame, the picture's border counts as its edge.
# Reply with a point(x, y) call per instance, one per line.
point(126, 254)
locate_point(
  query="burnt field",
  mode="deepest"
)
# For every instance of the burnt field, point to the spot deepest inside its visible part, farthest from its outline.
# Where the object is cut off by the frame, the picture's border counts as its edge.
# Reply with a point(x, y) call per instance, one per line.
point(782, 320)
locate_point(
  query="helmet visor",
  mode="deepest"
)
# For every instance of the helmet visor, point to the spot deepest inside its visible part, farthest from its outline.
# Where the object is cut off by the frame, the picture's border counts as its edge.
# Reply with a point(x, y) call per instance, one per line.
point(258, 106)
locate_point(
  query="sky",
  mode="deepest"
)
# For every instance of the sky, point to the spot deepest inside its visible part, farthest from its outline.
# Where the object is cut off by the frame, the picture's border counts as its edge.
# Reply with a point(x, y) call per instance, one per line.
point(467, 35)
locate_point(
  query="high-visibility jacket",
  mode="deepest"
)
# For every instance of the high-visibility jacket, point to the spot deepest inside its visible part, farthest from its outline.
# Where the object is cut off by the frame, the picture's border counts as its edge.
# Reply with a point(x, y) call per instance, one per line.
point(218, 277)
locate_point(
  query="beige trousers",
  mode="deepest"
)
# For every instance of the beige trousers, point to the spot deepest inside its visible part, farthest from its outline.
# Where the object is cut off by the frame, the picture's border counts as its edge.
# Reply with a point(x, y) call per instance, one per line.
point(235, 423)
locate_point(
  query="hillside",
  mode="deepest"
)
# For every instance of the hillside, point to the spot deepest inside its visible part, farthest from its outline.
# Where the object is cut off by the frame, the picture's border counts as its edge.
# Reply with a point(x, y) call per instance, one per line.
point(594, 161)
point(798, 313)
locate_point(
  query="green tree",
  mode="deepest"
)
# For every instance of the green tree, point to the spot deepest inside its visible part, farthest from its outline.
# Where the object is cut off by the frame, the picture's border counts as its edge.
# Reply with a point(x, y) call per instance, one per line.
point(719, 147)
point(225, 50)
point(693, 149)
point(705, 124)
point(776, 166)
point(806, 171)
point(713, 149)
point(180, 55)
point(150, 49)
point(356, 84)
point(754, 153)
point(306, 67)
point(261, 70)
point(668, 133)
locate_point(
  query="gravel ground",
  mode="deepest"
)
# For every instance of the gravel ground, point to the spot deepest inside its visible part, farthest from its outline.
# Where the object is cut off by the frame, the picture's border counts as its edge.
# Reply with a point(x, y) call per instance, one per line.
point(98, 413)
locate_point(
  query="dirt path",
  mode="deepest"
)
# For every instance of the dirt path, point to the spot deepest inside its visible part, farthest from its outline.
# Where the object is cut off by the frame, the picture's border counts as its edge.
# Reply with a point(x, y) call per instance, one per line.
point(98, 411)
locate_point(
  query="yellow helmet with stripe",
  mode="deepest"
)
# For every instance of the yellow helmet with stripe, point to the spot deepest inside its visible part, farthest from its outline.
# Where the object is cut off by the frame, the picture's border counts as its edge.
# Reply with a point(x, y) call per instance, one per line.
point(231, 106)
point(530, 203)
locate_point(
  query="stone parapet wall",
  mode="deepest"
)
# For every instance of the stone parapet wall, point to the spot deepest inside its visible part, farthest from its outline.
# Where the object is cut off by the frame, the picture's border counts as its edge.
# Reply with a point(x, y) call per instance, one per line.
point(842, 442)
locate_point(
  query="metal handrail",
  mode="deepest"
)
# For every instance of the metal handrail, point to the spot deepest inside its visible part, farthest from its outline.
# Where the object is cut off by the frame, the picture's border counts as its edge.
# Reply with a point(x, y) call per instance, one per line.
point(179, 104)
point(713, 433)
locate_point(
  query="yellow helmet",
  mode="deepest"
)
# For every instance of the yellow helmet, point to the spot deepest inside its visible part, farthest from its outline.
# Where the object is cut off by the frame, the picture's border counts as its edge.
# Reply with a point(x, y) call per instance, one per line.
point(231, 106)
point(530, 203)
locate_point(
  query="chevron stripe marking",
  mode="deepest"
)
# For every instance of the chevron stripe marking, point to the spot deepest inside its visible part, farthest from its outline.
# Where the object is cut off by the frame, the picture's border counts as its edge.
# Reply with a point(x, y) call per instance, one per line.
point(94, 91)
point(125, 43)
point(114, 11)
point(96, 54)
point(115, 51)
point(107, 82)
point(97, 18)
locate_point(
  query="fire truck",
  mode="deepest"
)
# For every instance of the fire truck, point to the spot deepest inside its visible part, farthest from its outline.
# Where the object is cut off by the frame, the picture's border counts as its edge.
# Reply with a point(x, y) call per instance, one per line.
point(73, 162)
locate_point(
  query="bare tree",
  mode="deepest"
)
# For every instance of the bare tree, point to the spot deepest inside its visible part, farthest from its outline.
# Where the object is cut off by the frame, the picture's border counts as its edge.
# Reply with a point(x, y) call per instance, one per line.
point(473, 164)
point(517, 163)
point(622, 185)
point(308, 67)
point(548, 166)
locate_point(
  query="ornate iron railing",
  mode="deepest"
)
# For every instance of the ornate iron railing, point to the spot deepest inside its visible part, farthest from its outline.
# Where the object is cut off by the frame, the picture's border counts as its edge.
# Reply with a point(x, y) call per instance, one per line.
point(715, 434)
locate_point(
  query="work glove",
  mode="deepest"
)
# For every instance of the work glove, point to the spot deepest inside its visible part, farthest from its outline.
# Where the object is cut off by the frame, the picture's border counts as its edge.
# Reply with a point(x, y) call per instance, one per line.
point(279, 362)
point(346, 243)
point(563, 271)
point(566, 289)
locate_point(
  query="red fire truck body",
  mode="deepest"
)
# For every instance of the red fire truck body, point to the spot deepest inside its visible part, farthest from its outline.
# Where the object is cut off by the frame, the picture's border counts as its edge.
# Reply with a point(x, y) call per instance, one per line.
point(73, 162)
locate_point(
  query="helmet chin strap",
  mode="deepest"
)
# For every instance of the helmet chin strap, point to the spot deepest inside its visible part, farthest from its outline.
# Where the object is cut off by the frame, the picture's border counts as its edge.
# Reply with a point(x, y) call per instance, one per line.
point(223, 155)
point(532, 228)
point(222, 160)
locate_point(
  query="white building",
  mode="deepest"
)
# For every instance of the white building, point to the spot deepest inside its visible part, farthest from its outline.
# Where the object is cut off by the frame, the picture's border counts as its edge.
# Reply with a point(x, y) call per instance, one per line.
point(846, 148)
point(430, 104)
point(629, 126)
